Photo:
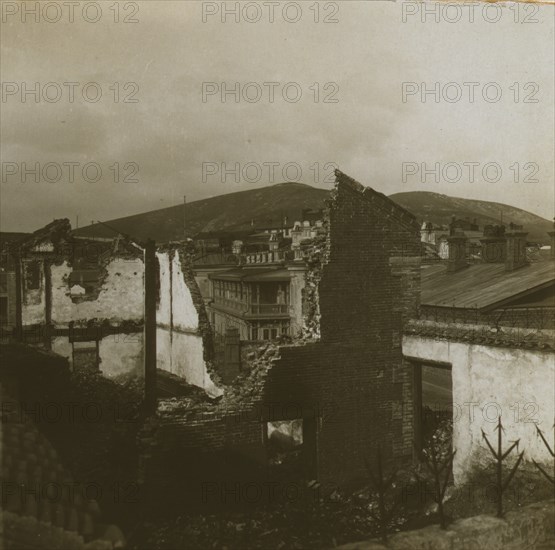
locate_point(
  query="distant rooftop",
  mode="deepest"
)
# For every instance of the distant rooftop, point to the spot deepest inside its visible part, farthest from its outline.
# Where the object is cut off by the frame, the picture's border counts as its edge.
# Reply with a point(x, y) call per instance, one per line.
point(482, 286)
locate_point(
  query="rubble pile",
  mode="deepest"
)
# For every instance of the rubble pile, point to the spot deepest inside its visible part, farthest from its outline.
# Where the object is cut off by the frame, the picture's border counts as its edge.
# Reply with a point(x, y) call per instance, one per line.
point(314, 257)
point(186, 252)
point(248, 387)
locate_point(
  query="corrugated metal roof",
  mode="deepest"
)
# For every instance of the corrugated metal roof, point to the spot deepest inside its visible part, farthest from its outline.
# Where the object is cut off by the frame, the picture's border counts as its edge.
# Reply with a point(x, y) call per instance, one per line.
point(481, 285)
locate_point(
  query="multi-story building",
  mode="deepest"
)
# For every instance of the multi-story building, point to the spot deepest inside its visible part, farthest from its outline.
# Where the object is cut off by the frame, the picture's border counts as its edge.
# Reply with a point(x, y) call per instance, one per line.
point(258, 289)
point(262, 302)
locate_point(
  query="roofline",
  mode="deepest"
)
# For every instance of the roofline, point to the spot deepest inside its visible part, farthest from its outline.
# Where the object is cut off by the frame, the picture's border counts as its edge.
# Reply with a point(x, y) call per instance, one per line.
point(405, 217)
point(522, 294)
point(495, 305)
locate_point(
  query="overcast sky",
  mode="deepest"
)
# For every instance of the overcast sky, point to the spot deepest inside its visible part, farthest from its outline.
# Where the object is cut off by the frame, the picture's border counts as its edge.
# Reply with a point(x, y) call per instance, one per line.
point(369, 131)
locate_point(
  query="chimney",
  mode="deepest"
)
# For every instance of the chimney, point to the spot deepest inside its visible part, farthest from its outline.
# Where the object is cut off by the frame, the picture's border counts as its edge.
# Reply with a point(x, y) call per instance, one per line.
point(494, 247)
point(516, 250)
point(457, 252)
point(452, 225)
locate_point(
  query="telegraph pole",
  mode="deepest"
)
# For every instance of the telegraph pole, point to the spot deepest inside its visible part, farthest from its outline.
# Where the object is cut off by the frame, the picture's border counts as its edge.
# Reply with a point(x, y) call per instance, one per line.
point(184, 217)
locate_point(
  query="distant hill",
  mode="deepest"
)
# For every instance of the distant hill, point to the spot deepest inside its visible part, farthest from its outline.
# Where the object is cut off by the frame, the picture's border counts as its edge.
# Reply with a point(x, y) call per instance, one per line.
point(267, 206)
point(439, 208)
point(234, 212)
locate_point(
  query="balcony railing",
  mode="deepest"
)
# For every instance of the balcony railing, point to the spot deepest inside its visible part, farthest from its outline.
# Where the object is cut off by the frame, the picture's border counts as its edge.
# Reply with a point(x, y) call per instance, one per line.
point(231, 303)
point(268, 309)
point(252, 309)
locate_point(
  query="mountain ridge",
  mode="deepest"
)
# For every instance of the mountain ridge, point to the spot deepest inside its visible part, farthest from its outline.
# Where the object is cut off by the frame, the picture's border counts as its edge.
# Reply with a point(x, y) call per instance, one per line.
point(242, 211)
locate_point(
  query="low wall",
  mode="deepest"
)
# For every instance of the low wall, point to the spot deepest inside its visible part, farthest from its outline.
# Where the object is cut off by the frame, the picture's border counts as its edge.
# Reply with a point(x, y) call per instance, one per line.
point(118, 353)
point(531, 527)
point(488, 382)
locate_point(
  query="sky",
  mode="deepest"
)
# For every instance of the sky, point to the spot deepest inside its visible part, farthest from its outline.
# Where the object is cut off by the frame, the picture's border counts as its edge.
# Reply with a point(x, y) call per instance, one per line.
point(128, 114)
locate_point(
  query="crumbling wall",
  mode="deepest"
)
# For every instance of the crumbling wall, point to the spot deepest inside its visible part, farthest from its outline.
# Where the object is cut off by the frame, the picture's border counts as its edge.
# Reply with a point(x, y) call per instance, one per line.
point(296, 290)
point(107, 319)
point(120, 297)
point(345, 375)
point(34, 299)
point(357, 297)
point(10, 321)
point(315, 258)
point(122, 354)
point(184, 342)
point(488, 382)
point(118, 353)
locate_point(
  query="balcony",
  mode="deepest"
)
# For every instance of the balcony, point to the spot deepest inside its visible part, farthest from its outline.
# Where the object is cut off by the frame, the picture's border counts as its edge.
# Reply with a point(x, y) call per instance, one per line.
point(268, 309)
point(230, 303)
point(245, 310)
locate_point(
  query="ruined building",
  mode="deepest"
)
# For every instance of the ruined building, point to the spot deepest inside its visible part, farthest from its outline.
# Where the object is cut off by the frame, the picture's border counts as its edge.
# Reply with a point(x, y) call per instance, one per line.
point(484, 347)
point(80, 299)
point(338, 343)
point(343, 379)
point(85, 300)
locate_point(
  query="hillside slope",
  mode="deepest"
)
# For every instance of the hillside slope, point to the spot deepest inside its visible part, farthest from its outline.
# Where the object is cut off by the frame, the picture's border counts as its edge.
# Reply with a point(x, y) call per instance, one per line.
point(267, 206)
point(439, 208)
point(232, 212)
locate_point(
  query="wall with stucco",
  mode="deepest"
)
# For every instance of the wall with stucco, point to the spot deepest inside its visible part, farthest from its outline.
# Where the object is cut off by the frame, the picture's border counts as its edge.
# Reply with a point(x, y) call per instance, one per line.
point(122, 354)
point(488, 381)
point(180, 348)
point(119, 353)
point(121, 296)
point(33, 310)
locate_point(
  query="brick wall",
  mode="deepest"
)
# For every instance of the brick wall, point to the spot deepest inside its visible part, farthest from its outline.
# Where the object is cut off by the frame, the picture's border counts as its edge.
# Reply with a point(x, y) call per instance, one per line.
point(185, 453)
point(346, 377)
point(369, 285)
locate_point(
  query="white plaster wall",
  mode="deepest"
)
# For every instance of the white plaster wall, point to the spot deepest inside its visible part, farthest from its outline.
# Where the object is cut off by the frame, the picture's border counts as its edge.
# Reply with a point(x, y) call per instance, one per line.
point(182, 355)
point(33, 307)
point(34, 314)
point(119, 353)
point(62, 346)
point(163, 310)
point(491, 381)
point(163, 349)
point(121, 297)
point(179, 347)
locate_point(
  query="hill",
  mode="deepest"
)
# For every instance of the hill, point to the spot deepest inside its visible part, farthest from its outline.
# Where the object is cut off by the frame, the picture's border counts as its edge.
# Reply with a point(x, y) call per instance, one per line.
point(267, 206)
point(234, 212)
point(439, 208)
